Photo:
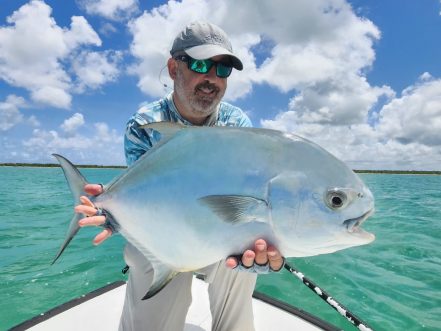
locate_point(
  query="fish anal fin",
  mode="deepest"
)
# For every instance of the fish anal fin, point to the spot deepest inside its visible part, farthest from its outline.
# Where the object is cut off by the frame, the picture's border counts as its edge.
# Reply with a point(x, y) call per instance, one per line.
point(237, 209)
point(162, 273)
point(163, 276)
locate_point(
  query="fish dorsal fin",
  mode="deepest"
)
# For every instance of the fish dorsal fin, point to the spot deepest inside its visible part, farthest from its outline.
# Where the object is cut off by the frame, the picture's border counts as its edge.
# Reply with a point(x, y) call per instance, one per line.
point(237, 209)
point(166, 129)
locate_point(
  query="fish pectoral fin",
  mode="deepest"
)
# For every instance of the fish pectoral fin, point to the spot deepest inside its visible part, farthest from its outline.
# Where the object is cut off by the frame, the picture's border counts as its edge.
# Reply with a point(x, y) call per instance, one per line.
point(162, 276)
point(237, 209)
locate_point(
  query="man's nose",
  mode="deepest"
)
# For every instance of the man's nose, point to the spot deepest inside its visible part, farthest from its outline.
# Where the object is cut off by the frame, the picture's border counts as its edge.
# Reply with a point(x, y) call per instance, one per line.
point(211, 74)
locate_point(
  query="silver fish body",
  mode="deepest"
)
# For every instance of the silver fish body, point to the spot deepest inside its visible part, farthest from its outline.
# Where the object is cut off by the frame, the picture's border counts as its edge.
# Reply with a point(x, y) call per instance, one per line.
point(204, 193)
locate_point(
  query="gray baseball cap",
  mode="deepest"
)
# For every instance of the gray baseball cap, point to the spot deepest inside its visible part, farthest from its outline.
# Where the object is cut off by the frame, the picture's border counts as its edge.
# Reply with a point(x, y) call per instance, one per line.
point(203, 40)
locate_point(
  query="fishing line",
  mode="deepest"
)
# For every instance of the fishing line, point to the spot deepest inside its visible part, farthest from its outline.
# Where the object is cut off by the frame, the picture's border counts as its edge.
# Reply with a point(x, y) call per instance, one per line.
point(330, 300)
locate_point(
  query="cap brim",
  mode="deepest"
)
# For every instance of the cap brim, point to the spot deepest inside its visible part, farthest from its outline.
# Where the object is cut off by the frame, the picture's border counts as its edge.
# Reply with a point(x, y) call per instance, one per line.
point(203, 52)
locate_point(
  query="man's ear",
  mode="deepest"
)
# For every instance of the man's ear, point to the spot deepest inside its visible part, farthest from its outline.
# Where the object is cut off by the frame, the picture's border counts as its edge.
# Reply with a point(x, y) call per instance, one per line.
point(172, 66)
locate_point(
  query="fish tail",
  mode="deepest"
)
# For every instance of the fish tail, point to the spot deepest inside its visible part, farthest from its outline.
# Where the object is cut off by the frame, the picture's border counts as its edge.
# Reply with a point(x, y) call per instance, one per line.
point(76, 183)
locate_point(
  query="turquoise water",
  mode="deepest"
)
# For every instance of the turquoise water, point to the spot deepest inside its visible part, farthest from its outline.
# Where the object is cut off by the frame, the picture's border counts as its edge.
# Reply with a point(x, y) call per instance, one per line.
point(392, 284)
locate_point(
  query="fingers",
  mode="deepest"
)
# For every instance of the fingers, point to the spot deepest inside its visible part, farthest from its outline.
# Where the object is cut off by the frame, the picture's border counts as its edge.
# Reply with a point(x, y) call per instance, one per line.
point(96, 221)
point(88, 209)
point(85, 209)
point(93, 189)
point(231, 262)
point(86, 201)
point(260, 247)
point(264, 258)
point(92, 221)
point(103, 235)
point(268, 254)
point(276, 260)
point(248, 258)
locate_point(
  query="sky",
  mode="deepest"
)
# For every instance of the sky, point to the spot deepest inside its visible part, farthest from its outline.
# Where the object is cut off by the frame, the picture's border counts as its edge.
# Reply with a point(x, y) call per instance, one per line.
point(360, 78)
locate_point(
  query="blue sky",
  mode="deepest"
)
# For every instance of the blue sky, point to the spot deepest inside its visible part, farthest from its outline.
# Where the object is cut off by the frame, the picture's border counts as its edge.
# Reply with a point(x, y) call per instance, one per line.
point(361, 78)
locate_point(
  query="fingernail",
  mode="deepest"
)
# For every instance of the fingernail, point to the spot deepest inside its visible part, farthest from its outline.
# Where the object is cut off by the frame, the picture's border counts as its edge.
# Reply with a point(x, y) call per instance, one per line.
point(260, 247)
point(271, 253)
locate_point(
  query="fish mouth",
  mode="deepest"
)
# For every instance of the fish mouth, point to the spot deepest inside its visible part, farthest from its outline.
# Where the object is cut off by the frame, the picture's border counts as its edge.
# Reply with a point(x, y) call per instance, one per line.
point(353, 225)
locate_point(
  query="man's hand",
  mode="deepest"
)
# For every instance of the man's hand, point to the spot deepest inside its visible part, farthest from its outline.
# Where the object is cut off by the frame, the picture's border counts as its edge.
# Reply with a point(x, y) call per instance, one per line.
point(87, 208)
point(261, 255)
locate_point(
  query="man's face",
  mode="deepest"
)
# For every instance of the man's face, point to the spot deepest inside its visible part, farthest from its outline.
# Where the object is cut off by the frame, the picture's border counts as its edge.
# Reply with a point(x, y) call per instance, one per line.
point(199, 93)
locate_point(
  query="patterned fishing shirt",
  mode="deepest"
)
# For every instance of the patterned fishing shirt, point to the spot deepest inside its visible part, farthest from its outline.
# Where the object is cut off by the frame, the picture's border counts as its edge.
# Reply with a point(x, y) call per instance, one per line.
point(137, 140)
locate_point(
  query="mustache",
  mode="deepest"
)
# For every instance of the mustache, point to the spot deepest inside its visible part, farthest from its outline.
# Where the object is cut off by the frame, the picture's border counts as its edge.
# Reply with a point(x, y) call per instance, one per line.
point(208, 85)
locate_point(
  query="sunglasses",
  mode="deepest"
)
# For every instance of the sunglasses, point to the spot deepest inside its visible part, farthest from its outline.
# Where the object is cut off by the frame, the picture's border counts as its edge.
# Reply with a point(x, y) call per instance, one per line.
point(223, 70)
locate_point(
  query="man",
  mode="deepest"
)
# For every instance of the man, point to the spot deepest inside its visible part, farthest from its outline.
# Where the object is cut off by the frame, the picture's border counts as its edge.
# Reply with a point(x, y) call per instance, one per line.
point(201, 60)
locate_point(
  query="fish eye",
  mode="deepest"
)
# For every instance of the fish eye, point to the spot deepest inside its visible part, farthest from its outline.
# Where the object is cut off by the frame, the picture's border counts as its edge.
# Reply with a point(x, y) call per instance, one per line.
point(336, 199)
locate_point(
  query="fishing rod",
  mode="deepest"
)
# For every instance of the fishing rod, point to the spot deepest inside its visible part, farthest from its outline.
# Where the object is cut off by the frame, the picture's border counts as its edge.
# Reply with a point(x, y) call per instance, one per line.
point(329, 300)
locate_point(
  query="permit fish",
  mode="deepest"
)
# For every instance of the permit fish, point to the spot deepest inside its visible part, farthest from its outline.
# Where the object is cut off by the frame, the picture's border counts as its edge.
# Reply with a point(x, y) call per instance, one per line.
point(202, 194)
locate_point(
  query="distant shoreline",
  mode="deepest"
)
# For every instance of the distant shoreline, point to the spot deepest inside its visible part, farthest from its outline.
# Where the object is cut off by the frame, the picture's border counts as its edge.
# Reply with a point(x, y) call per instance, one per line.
point(56, 165)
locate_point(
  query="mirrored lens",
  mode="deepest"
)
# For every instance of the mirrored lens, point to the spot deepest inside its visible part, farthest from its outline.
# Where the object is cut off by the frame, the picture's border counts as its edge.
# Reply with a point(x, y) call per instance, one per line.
point(201, 66)
point(223, 71)
point(204, 66)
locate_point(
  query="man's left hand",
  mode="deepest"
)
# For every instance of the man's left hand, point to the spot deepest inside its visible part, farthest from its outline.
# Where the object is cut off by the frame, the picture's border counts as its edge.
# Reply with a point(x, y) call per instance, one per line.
point(261, 255)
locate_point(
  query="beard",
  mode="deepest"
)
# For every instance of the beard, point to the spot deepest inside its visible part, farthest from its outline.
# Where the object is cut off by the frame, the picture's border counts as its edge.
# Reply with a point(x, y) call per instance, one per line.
point(202, 100)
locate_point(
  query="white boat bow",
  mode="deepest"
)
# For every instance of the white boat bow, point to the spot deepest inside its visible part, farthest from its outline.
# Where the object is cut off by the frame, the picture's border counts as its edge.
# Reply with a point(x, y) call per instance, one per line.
point(101, 310)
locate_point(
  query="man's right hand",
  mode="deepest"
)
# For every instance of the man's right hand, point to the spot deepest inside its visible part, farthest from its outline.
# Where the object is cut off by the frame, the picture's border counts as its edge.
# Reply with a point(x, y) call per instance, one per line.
point(88, 209)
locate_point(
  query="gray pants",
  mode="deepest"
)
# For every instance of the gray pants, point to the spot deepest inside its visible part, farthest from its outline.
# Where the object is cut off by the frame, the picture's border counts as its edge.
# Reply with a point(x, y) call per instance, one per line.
point(230, 294)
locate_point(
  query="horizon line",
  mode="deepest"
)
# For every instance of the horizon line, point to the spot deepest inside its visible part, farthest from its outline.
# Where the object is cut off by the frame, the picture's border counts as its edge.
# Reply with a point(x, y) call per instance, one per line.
point(53, 165)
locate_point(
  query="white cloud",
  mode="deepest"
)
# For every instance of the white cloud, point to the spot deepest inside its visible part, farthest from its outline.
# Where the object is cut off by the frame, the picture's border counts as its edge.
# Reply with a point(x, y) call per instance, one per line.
point(80, 33)
point(71, 124)
point(107, 29)
point(94, 69)
point(406, 135)
point(313, 41)
point(9, 115)
point(341, 102)
point(415, 117)
point(52, 95)
point(110, 9)
point(97, 144)
point(33, 121)
point(315, 51)
point(33, 48)
point(154, 32)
